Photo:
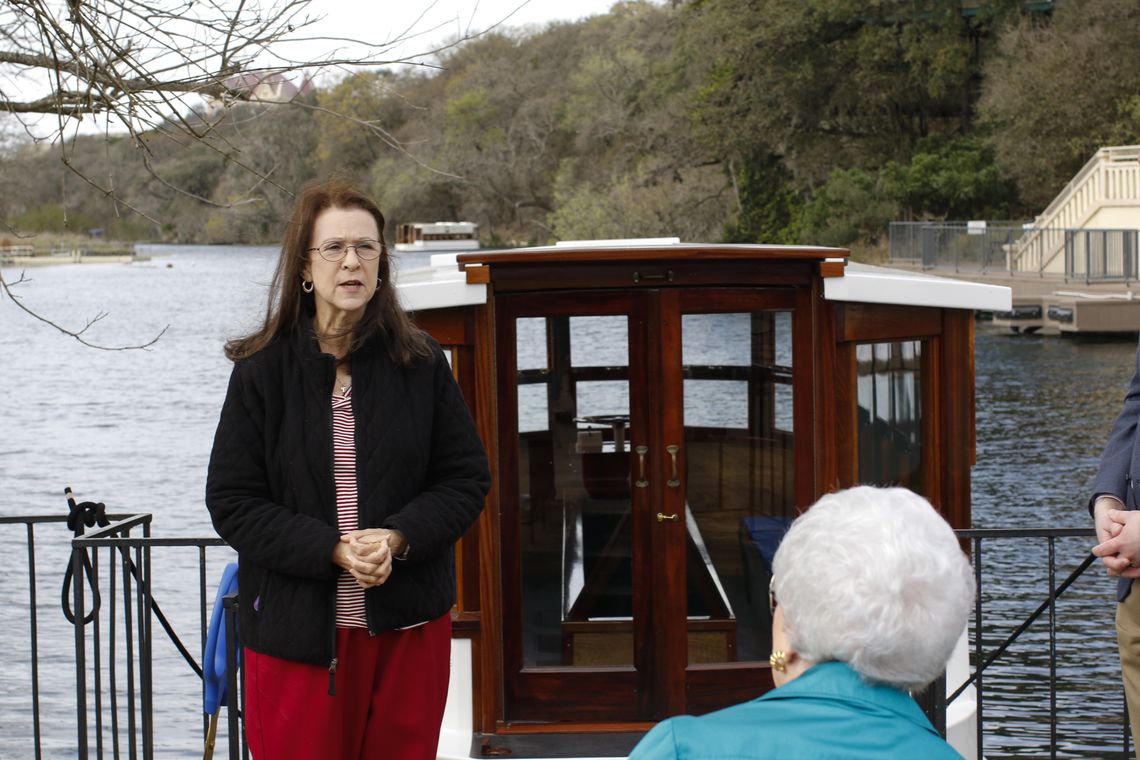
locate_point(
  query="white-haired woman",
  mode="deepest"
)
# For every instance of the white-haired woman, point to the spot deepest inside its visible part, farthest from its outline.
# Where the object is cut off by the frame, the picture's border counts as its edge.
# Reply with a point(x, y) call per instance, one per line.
point(870, 592)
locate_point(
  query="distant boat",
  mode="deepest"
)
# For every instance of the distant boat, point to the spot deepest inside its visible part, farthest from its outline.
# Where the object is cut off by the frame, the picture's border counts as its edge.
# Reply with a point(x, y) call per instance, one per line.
point(437, 236)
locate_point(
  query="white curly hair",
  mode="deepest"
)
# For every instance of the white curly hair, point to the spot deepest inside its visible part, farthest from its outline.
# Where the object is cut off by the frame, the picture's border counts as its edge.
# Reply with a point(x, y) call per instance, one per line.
point(874, 577)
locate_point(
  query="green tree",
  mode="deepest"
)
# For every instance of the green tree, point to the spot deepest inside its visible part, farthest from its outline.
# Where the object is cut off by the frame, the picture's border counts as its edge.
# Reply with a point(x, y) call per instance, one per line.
point(950, 179)
point(768, 209)
point(1057, 92)
point(829, 83)
point(357, 118)
point(848, 208)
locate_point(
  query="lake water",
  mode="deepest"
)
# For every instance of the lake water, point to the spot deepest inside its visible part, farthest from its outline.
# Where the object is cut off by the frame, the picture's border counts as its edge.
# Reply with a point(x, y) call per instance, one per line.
point(134, 428)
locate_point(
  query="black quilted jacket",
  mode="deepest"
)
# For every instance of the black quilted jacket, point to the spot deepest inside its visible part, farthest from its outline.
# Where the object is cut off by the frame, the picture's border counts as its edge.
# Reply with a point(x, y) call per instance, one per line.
point(420, 468)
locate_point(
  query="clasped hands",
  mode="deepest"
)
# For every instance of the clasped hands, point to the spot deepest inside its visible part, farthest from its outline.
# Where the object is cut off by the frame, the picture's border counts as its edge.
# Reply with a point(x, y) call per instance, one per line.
point(1118, 531)
point(367, 554)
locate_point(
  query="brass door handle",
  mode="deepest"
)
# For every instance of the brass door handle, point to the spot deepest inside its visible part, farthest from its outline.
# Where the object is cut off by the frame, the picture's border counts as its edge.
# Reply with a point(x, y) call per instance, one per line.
point(663, 518)
point(675, 480)
point(641, 452)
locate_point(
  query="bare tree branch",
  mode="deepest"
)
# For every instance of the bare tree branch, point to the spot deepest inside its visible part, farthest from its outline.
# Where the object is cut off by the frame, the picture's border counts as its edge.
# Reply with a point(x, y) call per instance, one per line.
point(146, 66)
point(6, 287)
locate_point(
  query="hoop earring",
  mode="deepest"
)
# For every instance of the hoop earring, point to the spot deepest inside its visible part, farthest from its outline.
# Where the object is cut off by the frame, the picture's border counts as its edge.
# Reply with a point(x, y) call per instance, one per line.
point(307, 286)
point(777, 661)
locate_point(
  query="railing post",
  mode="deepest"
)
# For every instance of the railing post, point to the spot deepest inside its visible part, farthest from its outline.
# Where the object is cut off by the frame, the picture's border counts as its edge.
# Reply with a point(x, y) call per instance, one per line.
point(1052, 648)
point(77, 554)
point(978, 647)
point(230, 605)
point(1088, 257)
point(32, 614)
point(1129, 242)
point(146, 650)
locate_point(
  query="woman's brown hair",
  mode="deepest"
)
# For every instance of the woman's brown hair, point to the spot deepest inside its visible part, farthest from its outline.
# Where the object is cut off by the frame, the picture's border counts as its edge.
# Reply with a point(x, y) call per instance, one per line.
point(382, 317)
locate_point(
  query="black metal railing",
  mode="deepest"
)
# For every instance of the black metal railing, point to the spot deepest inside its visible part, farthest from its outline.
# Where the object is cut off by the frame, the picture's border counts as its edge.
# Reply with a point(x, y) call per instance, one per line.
point(983, 659)
point(114, 607)
point(110, 606)
point(1083, 255)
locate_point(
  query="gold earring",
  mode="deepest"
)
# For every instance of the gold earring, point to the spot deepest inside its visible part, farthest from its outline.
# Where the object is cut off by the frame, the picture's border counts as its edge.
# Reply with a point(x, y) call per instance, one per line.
point(776, 660)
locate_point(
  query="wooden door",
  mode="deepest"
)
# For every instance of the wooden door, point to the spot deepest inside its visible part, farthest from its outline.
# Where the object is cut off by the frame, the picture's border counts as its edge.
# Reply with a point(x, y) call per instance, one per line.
point(648, 440)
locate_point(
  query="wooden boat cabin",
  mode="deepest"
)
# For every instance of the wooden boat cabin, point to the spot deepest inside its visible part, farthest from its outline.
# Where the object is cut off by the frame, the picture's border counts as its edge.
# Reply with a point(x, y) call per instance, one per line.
point(656, 413)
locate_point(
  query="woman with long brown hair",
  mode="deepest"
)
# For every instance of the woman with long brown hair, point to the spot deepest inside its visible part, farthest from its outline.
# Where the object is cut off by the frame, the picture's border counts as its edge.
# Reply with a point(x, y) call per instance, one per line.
point(343, 444)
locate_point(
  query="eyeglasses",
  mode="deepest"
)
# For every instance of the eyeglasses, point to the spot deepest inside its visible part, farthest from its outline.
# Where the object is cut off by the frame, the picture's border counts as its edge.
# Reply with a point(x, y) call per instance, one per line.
point(335, 250)
point(772, 603)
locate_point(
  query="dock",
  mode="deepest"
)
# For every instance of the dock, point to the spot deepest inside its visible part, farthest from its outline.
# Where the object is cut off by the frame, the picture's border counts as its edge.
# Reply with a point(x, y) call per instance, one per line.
point(1052, 304)
point(30, 256)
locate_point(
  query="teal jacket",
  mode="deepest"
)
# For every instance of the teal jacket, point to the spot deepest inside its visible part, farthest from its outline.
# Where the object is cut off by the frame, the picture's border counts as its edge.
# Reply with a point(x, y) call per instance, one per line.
point(827, 713)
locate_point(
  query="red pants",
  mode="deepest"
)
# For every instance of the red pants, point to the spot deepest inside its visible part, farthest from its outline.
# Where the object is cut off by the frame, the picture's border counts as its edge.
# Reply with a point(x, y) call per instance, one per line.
point(390, 693)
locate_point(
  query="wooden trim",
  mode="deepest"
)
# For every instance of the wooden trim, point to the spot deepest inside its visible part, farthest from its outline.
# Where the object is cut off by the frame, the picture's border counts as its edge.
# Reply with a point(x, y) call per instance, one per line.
point(832, 268)
point(829, 395)
point(666, 563)
point(465, 625)
point(487, 657)
point(478, 274)
point(881, 323)
point(933, 393)
point(804, 347)
point(957, 433)
point(668, 253)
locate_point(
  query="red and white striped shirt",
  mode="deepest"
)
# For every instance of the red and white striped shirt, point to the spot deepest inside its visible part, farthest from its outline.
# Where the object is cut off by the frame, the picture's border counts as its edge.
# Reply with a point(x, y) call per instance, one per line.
point(349, 595)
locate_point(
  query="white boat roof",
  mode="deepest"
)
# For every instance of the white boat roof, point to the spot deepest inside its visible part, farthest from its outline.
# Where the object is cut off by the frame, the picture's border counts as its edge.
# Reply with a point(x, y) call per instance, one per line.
point(443, 284)
point(864, 283)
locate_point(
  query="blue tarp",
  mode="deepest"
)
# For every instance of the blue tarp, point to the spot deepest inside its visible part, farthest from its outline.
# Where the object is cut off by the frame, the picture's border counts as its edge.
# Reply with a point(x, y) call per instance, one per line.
point(214, 658)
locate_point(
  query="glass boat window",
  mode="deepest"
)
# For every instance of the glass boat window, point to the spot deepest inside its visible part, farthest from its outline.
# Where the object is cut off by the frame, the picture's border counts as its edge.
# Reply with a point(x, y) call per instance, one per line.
point(574, 490)
point(889, 428)
point(740, 468)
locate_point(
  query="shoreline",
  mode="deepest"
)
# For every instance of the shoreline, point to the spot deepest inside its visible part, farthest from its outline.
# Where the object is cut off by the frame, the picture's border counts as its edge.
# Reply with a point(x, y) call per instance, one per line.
point(23, 257)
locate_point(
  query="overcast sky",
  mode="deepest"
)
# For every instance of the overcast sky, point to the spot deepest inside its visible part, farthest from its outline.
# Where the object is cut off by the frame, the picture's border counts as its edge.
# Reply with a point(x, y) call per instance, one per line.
point(422, 24)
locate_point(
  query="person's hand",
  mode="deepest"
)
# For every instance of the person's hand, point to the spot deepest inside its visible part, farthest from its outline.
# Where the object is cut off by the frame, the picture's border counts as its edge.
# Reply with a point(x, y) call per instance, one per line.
point(368, 561)
point(1103, 523)
point(396, 541)
point(1120, 551)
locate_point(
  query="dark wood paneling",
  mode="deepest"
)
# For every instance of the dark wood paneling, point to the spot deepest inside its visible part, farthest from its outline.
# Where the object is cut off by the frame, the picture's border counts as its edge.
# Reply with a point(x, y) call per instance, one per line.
point(580, 255)
point(487, 651)
point(713, 687)
point(463, 365)
point(870, 322)
point(665, 562)
point(933, 399)
point(451, 327)
point(556, 695)
point(628, 276)
point(829, 392)
point(605, 741)
point(958, 417)
point(804, 341)
point(735, 299)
